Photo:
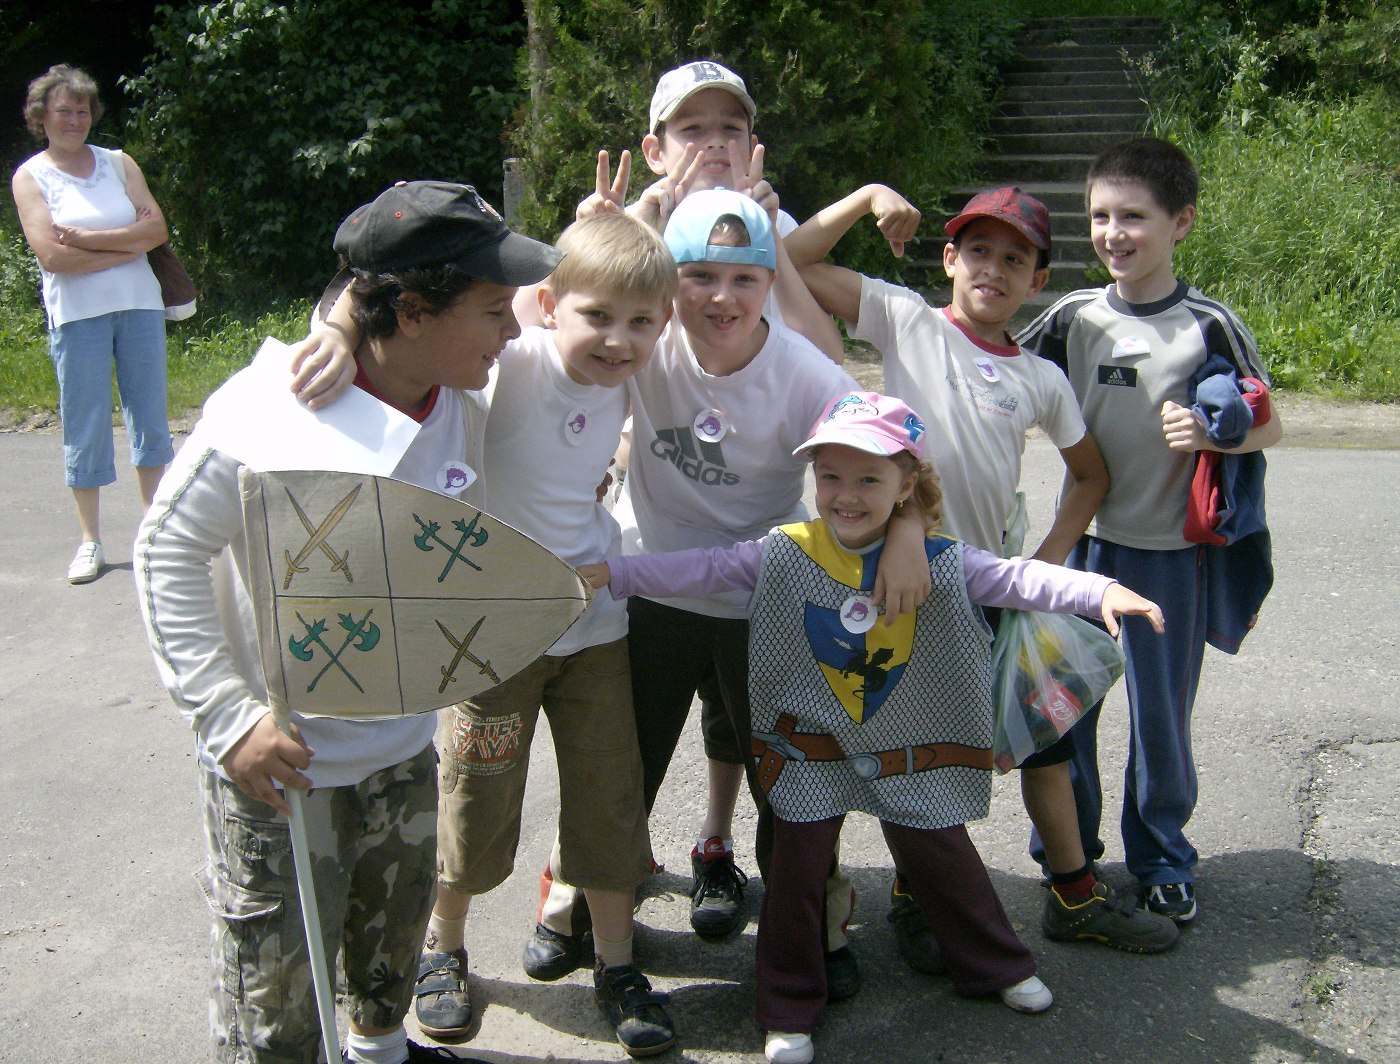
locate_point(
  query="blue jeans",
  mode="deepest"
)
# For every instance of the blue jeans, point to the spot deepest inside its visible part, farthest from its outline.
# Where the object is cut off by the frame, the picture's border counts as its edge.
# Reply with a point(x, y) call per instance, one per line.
point(83, 352)
point(1162, 674)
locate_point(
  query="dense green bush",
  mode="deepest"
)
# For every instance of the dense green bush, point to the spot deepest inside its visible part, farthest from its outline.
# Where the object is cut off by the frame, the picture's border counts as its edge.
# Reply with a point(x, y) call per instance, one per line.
point(19, 274)
point(1238, 55)
point(848, 91)
point(1294, 233)
point(262, 124)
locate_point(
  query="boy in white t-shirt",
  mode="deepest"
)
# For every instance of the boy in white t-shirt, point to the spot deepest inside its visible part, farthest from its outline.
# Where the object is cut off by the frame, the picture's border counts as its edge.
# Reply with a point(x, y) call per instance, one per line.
point(558, 403)
point(960, 367)
point(700, 137)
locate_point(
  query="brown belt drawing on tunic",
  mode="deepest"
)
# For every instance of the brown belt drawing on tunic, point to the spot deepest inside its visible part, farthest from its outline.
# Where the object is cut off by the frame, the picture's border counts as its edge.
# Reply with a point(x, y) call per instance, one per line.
point(774, 749)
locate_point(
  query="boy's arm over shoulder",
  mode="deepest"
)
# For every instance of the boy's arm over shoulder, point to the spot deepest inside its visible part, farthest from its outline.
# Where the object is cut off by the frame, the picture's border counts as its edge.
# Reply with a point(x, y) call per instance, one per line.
point(323, 363)
point(836, 290)
point(803, 311)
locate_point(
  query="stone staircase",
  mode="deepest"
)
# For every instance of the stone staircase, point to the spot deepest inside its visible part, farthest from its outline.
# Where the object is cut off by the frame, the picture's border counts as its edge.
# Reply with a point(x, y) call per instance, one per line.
point(1068, 95)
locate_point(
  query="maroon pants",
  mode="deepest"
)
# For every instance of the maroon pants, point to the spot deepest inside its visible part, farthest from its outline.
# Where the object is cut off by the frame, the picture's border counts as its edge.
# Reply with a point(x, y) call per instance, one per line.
point(948, 880)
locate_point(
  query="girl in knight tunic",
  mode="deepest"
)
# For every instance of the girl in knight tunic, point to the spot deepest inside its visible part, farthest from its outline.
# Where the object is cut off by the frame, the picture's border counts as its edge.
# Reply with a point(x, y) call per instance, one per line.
point(853, 713)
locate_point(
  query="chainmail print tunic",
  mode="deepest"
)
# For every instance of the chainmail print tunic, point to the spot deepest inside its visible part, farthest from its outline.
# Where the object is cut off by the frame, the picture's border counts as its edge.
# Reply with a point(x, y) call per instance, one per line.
point(916, 695)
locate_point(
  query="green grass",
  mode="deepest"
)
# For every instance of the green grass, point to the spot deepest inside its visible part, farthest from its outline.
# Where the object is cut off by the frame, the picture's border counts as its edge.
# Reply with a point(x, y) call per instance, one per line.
point(1296, 232)
point(203, 351)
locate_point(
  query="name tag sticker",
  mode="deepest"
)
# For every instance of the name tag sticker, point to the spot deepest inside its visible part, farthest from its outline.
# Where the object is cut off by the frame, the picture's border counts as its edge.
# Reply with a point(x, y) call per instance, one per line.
point(1131, 347)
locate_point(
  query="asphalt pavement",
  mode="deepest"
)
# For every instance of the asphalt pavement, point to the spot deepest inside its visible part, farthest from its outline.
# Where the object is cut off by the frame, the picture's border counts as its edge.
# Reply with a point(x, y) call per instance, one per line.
point(1293, 958)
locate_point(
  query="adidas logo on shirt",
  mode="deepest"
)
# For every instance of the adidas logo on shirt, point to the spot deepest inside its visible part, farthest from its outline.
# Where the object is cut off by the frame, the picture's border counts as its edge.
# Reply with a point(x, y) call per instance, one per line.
point(1118, 376)
point(699, 460)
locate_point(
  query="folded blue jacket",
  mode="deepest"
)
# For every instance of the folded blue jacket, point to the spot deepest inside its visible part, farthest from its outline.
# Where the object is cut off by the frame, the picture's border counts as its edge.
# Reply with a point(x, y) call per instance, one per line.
point(1226, 510)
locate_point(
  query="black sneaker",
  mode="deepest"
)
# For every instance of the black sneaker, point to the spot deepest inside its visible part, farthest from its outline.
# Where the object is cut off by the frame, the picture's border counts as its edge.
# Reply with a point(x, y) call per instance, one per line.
point(637, 1012)
point(1107, 917)
point(437, 1055)
point(440, 1002)
point(1177, 901)
point(842, 974)
point(912, 935)
point(716, 893)
point(549, 955)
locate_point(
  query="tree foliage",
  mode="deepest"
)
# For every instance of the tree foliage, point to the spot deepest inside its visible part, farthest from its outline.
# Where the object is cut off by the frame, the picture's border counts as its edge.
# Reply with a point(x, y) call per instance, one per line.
point(848, 92)
point(263, 124)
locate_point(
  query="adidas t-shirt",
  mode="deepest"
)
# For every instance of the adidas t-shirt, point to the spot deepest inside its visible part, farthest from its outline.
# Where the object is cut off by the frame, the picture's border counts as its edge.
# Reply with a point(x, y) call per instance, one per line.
point(1124, 360)
point(711, 461)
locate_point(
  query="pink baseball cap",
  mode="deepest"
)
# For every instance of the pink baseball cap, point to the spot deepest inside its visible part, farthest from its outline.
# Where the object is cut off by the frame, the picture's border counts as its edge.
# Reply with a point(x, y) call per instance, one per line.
point(1018, 209)
point(868, 421)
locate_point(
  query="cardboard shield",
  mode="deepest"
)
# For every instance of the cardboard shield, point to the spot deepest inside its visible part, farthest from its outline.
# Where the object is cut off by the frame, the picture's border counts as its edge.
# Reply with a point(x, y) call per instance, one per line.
point(376, 598)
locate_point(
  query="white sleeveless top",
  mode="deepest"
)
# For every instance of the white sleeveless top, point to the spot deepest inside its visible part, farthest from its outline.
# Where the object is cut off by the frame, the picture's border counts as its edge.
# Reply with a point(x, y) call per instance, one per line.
point(95, 202)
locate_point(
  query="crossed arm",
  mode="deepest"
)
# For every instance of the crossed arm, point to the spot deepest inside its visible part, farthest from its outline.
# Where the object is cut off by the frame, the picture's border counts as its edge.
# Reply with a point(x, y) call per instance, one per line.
point(76, 250)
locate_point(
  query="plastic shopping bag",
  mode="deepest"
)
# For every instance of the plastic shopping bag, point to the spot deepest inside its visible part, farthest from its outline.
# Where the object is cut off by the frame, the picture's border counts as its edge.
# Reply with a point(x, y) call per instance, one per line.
point(1047, 670)
point(1013, 539)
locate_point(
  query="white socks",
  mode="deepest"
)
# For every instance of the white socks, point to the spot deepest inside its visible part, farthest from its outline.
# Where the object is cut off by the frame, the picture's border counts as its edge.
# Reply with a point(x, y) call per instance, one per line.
point(391, 1048)
point(612, 954)
point(447, 936)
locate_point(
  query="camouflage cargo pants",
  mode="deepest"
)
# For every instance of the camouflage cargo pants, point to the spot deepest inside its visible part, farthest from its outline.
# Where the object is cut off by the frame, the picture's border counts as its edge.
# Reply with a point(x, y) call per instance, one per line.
point(373, 864)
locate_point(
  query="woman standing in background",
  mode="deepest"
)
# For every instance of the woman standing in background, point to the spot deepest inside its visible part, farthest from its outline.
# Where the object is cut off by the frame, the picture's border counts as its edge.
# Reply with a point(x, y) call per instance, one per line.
point(90, 219)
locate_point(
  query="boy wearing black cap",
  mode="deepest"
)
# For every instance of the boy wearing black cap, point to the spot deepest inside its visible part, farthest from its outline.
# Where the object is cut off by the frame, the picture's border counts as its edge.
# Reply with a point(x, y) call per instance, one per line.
point(960, 366)
point(432, 271)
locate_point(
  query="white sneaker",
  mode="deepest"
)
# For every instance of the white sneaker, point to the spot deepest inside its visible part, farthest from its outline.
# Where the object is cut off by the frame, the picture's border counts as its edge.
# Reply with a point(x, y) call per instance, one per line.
point(783, 1048)
point(86, 564)
point(1029, 995)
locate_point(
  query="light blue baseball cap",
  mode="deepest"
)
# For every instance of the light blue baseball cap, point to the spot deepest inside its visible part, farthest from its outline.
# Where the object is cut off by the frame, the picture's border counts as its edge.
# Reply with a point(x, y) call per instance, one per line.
point(691, 223)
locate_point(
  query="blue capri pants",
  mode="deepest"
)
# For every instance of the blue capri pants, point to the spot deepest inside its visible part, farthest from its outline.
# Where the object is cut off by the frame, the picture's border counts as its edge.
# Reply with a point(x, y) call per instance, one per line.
point(83, 352)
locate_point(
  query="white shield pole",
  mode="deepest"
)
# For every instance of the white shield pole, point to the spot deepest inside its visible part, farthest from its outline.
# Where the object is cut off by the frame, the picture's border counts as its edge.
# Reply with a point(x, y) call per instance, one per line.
point(310, 914)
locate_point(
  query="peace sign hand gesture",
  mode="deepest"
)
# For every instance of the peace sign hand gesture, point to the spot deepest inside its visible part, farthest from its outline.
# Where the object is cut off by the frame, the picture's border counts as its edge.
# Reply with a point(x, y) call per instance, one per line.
point(660, 199)
point(609, 194)
point(749, 179)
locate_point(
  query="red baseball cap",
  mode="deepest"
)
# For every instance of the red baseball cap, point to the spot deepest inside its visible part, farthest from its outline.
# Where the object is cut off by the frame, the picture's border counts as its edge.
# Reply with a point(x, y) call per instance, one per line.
point(1018, 209)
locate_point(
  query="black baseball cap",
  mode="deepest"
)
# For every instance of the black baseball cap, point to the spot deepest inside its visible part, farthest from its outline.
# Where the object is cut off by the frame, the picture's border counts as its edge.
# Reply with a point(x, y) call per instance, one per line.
point(430, 223)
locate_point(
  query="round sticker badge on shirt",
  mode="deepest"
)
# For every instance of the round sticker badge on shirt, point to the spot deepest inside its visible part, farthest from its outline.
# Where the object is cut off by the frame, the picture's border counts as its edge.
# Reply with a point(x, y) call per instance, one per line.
point(858, 614)
point(1131, 347)
point(988, 368)
point(574, 425)
point(710, 425)
point(453, 478)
